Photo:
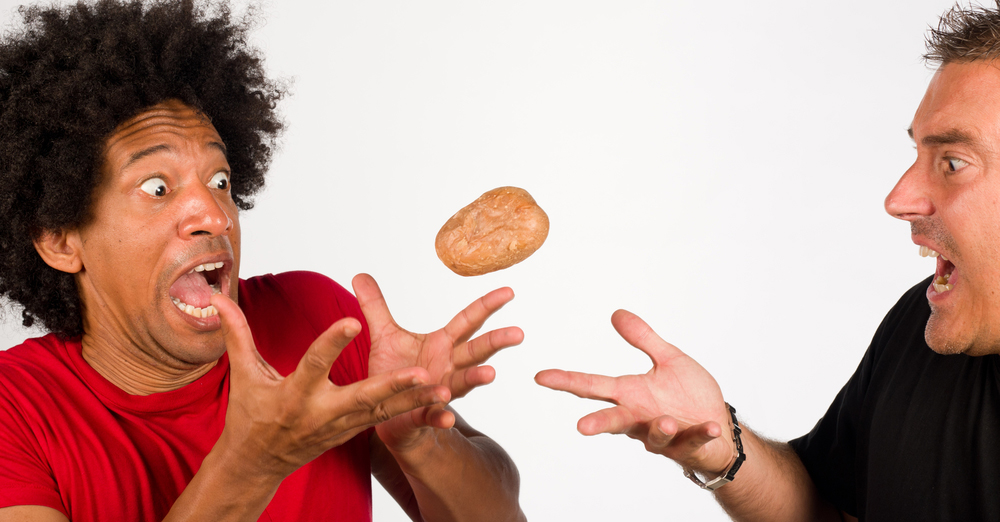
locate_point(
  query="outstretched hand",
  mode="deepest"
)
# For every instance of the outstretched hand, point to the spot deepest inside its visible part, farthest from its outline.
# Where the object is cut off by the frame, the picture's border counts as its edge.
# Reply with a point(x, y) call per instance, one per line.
point(675, 409)
point(452, 360)
point(276, 424)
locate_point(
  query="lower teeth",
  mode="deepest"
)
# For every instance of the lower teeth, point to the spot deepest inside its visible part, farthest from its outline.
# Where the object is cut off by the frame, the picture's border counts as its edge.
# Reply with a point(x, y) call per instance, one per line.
point(208, 311)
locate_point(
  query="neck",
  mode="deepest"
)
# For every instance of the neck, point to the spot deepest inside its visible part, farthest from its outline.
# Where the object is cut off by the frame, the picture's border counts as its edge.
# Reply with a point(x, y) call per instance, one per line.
point(137, 373)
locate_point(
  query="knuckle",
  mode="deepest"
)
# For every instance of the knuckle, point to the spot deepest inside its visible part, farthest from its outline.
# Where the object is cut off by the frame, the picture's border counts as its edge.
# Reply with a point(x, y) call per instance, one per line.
point(313, 359)
point(654, 443)
point(365, 401)
point(381, 412)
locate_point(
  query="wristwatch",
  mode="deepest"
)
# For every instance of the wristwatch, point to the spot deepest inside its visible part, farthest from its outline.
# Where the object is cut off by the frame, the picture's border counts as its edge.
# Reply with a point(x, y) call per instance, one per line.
point(734, 466)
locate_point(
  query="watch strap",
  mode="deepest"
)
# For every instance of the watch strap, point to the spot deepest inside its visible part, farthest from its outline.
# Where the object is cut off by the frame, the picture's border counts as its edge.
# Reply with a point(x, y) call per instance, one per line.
point(738, 458)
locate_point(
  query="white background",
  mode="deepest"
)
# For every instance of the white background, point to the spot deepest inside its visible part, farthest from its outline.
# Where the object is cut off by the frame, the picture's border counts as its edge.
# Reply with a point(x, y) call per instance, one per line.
point(716, 167)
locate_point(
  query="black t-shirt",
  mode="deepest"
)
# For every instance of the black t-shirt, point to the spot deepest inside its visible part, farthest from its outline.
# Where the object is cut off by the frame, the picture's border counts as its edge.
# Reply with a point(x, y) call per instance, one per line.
point(913, 435)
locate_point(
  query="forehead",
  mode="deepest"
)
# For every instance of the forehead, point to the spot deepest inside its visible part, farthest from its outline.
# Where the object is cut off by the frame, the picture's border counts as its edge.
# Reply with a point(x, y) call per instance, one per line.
point(962, 98)
point(169, 126)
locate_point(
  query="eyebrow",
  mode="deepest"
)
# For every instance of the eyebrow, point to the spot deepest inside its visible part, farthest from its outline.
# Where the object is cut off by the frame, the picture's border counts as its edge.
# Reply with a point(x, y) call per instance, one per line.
point(949, 137)
point(158, 148)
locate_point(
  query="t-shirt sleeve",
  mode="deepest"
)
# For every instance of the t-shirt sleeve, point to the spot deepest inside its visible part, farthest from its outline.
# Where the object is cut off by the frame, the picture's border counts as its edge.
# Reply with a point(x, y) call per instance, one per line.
point(25, 479)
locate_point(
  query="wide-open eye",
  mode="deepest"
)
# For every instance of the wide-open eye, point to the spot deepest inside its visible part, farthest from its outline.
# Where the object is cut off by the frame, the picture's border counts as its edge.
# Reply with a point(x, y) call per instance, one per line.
point(154, 187)
point(220, 181)
point(955, 164)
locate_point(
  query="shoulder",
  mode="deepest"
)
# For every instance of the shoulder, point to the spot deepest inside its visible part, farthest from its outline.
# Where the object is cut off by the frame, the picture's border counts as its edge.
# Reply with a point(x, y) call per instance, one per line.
point(904, 324)
point(287, 311)
point(309, 295)
point(912, 306)
point(831, 451)
point(300, 284)
point(36, 356)
point(41, 370)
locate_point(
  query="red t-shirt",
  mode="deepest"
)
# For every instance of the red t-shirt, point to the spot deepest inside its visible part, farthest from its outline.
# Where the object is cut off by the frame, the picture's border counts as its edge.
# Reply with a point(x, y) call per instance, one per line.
point(72, 441)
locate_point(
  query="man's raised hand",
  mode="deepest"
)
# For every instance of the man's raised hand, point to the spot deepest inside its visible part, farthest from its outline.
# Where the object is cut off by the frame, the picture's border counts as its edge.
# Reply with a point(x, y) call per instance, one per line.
point(451, 359)
point(277, 424)
point(675, 409)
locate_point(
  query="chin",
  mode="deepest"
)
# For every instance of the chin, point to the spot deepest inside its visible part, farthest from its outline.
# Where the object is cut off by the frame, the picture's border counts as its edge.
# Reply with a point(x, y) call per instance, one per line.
point(940, 339)
point(945, 344)
point(198, 352)
point(944, 347)
point(208, 353)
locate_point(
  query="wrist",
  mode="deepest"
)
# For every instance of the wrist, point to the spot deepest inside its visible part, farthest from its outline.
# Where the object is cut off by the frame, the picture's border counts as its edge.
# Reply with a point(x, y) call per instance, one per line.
point(420, 451)
point(222, 490)
point(255, 467)
point(729, 473)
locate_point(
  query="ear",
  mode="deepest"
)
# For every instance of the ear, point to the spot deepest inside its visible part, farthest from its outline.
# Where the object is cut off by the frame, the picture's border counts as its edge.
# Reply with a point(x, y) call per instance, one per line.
point(60, 249)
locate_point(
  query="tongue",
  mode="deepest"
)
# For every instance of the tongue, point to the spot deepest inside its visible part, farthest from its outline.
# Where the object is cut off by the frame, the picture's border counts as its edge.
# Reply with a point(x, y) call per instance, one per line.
point(192, 289)
point(943, 267)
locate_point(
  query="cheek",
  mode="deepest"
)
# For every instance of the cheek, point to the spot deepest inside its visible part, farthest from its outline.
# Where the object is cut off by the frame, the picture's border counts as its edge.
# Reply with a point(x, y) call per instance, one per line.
point(234, 234)
point(972, 218)
point(234, 242)
point(124, 246)
point(986, 221)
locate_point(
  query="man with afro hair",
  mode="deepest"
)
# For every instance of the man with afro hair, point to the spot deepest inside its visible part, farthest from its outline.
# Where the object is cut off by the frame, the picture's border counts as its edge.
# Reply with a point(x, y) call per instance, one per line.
point(132, 134)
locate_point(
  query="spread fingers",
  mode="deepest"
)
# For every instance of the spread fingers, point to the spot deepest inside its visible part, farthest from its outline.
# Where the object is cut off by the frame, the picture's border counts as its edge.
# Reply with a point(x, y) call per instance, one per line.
point(583, 385)
point(314, 366)
point(480, 349)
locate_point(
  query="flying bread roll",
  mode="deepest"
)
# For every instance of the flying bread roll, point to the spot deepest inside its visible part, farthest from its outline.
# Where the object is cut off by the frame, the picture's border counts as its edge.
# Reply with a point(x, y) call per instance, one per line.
point(500, 229)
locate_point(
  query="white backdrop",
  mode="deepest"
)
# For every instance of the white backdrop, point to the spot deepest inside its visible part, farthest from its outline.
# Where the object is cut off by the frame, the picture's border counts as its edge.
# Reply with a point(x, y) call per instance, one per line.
point(716, 167)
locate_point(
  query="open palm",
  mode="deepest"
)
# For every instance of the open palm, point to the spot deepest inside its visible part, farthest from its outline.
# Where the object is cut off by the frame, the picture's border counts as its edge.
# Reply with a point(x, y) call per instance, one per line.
point(453, 360)
point(676, 408)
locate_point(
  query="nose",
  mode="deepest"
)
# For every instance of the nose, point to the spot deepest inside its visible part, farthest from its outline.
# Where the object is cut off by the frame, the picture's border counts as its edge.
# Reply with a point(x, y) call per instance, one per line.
point(909, 199)
point(202, 214)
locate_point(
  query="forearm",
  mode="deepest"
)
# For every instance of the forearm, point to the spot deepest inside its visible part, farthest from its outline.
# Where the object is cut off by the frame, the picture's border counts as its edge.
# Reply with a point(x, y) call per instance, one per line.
point(224, 490)
point(773, 486)
point(458, 476)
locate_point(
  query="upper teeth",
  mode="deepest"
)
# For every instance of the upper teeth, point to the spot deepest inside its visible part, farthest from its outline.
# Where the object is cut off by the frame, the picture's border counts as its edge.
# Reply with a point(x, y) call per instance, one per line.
point(927, 252)
point(207, 267)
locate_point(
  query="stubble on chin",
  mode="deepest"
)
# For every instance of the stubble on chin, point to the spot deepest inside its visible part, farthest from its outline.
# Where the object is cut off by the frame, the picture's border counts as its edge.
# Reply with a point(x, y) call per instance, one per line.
point(937, 338)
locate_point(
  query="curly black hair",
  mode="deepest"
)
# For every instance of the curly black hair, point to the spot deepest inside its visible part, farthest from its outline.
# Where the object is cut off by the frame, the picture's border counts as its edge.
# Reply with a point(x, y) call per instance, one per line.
point(69, 76)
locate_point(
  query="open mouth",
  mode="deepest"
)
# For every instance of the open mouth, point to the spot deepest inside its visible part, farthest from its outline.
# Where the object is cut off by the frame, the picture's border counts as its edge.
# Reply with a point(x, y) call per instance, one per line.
point(191, 293)
point(942, 273)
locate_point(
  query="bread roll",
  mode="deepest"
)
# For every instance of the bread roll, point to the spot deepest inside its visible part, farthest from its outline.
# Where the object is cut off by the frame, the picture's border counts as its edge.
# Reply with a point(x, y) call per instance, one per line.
point(500, 229)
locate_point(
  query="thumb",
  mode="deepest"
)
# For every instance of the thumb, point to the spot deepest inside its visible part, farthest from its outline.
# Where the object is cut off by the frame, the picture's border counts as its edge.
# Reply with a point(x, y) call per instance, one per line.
point(236, 333)
point(634, 330)
point(661, 431)
point(372, 303)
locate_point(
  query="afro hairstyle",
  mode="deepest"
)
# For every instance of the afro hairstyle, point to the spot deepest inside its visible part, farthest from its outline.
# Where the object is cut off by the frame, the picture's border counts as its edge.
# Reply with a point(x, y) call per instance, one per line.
point(69, 76)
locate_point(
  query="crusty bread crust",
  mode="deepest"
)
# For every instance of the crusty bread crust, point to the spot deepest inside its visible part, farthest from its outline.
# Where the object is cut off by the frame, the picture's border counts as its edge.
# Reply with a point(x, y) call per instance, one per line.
point(500, 229)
